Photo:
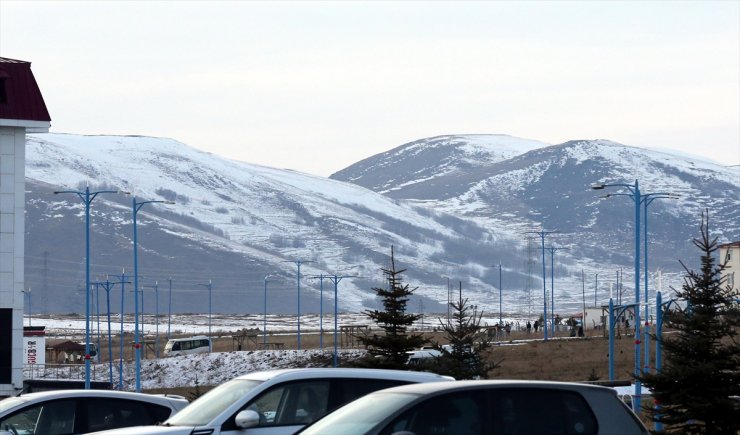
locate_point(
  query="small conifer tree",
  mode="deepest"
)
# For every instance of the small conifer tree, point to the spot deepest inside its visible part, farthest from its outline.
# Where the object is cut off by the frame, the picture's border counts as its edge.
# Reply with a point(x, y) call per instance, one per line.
point(464, 358)
point(388, 350)
point(698, 387)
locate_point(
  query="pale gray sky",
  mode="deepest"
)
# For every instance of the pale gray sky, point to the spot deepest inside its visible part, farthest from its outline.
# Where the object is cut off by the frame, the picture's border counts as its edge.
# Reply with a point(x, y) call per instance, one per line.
point(317, 86)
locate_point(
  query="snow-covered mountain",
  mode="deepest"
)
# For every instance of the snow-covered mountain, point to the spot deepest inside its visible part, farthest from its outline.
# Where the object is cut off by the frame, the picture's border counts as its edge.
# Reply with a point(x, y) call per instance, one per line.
point(511, 186)
point(451, 206)
point(233, 223)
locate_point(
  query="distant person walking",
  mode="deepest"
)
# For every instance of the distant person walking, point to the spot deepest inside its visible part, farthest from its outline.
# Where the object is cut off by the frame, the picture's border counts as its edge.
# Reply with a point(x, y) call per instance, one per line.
point(536, 325)
point(529, 327)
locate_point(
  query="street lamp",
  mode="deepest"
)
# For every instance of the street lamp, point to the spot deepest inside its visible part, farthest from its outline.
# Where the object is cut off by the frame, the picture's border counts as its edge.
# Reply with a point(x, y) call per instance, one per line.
point(321, 278)
point(335, 279)
point(87, 198)
point(542, 234)
point(552, 250)
point(636, 196)
point(500, 298)
point(108, 286)
point(136, 206)
point(209, 287)
point(169, 312)
point(156, 319)
point(264, 316)
point(648, 199)
point(298, 279)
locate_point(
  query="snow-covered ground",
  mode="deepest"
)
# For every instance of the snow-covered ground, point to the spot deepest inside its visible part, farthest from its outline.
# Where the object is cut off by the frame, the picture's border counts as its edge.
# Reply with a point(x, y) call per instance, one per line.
point(201, 369)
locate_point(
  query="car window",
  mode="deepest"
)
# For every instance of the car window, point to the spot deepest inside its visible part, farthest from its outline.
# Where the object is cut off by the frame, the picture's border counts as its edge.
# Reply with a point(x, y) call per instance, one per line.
point(295, 403)
point(105, 414)
point(459, 413)
point(49, 418)
point(351, 389)
point(210, 405)
point(532, 410)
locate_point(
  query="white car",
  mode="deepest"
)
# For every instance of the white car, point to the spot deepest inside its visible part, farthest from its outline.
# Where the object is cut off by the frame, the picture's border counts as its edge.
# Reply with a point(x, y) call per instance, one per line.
point(482, 408)
point(83, 411)
point(279, 401)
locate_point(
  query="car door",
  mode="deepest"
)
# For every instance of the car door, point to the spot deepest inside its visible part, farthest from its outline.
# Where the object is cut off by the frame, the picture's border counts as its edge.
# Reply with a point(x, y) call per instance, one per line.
point(52, 417)
point(285, 408)
point(454, 413)
point(111, 413)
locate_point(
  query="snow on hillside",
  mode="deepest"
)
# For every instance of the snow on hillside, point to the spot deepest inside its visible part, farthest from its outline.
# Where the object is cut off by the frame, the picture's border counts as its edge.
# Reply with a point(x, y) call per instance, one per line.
point(253, 205)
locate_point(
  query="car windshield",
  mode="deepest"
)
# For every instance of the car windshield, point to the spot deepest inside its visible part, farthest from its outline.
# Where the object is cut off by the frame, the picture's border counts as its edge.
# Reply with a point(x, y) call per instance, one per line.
point(361, 415)
point(213, 403)
point(10, 402)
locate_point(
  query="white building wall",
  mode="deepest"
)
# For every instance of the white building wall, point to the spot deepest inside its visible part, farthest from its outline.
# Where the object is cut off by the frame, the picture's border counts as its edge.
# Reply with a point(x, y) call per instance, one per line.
point(730, 253)
point(12, 230)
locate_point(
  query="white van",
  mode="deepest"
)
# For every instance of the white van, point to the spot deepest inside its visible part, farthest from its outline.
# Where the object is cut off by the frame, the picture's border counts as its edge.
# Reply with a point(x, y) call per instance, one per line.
point(186, 346)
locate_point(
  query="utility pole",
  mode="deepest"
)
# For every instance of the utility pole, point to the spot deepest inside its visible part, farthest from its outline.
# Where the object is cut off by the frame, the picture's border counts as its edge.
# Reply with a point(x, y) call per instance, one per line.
point(298, 280)
point(542, 233)
point(87, 198)
point(321, 278)
point(335, 279)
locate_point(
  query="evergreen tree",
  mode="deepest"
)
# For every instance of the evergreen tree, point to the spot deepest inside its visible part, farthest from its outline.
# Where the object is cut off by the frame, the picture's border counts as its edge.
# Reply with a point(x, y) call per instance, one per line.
point(464, 359)
point(699, 384)
point(388, 350)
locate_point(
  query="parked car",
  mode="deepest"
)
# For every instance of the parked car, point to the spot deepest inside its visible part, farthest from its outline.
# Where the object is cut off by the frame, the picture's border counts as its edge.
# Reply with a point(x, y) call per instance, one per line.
point(83, 411)
point(278, 401)
point(484, 408)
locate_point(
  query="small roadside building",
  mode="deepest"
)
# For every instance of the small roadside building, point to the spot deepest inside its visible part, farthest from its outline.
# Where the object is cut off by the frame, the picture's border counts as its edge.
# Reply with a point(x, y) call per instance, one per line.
point(22, 110)
point(729, 254)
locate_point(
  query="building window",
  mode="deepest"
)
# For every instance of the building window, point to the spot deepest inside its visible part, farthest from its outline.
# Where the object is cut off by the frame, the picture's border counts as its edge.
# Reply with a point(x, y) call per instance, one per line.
point(3, 93)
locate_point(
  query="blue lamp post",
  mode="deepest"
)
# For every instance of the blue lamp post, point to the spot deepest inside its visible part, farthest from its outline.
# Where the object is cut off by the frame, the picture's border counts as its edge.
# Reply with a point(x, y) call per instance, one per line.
point(87, 198)
point(156, 319)
point(321, 278)
point(264, 317)
point(136, 206)
point(209, 286)
point(335, 279)
point(648, 199)
point(552, 250)
point(123, 282)
point(500, 297)
point(636, 196)
point(108, 286)
point(169, 311)
point(542, 234)
point(298, 281)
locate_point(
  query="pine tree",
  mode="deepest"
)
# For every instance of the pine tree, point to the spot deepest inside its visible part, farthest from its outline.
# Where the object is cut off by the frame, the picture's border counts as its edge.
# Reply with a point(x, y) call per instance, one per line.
point(468, 342)
point(388, 350)
point(699, 385)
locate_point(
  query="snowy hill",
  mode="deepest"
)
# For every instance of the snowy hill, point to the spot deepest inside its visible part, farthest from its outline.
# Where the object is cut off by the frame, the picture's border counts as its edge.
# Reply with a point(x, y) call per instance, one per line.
point(233, 223)
point(548, 186)
point(452, 206)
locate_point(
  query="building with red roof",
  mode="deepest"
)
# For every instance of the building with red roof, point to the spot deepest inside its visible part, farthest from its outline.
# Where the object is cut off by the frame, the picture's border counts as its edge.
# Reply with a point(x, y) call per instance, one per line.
point(22, 110)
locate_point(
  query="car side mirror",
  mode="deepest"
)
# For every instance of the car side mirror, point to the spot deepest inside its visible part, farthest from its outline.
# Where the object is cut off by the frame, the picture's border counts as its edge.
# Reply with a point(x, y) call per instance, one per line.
point(245, 419)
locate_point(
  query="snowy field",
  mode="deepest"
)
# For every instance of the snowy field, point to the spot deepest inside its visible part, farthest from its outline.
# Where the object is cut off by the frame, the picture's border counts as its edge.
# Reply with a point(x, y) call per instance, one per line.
point(201, 369)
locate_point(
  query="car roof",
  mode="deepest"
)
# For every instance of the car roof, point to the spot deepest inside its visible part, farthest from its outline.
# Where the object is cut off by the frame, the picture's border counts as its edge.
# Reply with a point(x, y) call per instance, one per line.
point(114, 394)
point(327, 372)
point(430, 388)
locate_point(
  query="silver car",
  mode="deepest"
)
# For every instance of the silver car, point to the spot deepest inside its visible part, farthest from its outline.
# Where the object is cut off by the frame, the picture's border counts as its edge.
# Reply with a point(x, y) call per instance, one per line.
point(83, 411)
point(279, 401)
point(484, 408)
